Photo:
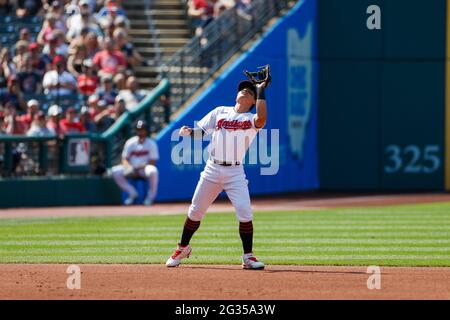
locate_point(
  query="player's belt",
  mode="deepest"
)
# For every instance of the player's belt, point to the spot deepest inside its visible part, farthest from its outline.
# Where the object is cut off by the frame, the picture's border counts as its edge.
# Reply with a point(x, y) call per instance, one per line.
point(226, 164)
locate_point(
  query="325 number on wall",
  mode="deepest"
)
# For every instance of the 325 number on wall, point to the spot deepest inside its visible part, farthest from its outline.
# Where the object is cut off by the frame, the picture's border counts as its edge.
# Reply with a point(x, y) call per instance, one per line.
point(412, 159)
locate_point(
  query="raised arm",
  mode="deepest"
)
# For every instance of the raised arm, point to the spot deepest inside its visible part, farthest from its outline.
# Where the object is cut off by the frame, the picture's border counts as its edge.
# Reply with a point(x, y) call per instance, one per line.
point(261, 106)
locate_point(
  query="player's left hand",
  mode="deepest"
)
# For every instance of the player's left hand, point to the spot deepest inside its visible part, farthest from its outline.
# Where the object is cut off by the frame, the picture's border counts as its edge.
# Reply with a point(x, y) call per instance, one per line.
point(262, 76)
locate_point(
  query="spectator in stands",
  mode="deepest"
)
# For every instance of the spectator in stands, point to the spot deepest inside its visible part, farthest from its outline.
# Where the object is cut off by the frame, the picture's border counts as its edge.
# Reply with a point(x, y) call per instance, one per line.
point(32, 108)
point(7, 66)
point(106, 91)
point(86, 119)
point(132, 95)
point(110, 5)
point(84, 20)
point(87, 81)
point(19, 58)
point(109, 60)
point(120, 81)
point(92, 44)
point(131, 54)
point(50, 50)
point(3, 80)
point(48, 28)
point(54, 113)
point(29, 79)
point(112, 16)
point(201, 12)
point(122, 22)
point(74, 12)
point(2, 120)
point(12, 124)
point(219, 8)
point(59, 82)
point(38, 127)
point(70, 124)
point(24, 35)
point(74, 7)
point(57, 45)
point(28, 7)
point(92, 103)
point(75, 62)
point(12, 97)
point(103, 119)
point(119, 108)
point(108, 28)
point(6, 7)
point(38, 61)
point(57, 9)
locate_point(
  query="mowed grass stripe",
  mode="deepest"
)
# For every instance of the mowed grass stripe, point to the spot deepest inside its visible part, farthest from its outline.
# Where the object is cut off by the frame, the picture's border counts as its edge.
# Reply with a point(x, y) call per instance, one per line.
point(364, 260)
point(261, 250)
point(338, 236)
point(216, 233)
point(204, 238)
point(277, 227)
point(298, 245)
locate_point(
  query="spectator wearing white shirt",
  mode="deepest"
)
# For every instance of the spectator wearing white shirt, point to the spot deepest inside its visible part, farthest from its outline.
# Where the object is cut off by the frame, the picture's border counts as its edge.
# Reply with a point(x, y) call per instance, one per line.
point(59, 82)
point(132, 94)
point(39, 126)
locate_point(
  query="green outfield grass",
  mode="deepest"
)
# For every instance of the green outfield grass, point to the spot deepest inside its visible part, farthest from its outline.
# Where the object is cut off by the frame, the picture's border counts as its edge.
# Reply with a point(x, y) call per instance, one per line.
point(416, 235)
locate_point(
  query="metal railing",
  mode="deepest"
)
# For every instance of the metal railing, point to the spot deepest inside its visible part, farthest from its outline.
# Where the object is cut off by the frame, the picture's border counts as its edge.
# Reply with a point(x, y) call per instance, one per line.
point(151, 29)
point(198, 60)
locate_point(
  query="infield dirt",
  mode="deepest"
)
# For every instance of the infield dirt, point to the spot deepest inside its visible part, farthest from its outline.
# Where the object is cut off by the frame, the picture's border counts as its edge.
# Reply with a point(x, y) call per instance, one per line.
point(48, 281)
point(221, 282)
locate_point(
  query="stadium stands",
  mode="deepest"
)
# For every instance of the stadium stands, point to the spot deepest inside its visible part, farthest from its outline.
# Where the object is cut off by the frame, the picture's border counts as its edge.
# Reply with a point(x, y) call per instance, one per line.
point(67, 45)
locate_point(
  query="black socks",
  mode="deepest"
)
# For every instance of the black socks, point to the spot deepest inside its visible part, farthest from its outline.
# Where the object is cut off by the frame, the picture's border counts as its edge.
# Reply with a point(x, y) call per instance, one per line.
point(188, 231)
point(246, 233)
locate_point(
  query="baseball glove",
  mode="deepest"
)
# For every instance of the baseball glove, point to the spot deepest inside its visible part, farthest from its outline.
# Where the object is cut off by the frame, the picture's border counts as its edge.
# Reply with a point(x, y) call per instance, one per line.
point(260, 76)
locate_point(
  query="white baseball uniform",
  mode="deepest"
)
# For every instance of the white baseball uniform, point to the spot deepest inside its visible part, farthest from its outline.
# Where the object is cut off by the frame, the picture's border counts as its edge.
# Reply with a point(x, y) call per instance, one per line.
point(138, 155)
point(232, 134)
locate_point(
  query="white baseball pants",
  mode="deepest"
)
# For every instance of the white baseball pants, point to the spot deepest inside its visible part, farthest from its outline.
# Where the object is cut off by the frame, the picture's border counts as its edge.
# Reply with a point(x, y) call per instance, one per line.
point(150, 172)
point(213, 180)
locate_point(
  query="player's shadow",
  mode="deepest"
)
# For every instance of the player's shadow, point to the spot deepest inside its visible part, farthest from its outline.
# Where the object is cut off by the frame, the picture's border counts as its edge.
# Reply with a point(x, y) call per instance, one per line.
point(267, 270)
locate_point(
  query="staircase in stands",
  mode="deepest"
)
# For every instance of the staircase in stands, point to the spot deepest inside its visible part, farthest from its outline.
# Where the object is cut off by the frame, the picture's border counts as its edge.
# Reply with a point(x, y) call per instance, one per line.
point(170, 29)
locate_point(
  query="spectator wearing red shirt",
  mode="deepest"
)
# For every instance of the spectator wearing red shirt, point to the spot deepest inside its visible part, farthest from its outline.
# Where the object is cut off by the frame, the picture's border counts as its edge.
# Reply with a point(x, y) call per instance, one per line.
point(32, 109)
point(201, 12)
point(54, 113)
point(109, 60)
point(12, 123)
point(70, 123)
point(93, 105)
point(87, 81)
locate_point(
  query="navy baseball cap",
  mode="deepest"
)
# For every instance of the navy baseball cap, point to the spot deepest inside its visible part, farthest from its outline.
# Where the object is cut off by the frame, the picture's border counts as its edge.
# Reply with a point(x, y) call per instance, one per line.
point(141, 124)
point(247, 84)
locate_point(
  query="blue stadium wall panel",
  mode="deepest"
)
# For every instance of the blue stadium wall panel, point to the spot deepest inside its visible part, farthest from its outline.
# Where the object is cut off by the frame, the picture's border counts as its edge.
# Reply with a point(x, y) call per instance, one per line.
point(289, 46)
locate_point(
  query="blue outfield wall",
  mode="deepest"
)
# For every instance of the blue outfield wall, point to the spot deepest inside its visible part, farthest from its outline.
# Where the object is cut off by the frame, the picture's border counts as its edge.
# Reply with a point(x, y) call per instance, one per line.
point(290, 49)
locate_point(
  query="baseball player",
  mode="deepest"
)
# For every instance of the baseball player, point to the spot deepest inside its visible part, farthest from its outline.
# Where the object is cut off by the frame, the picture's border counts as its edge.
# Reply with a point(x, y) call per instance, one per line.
point(139, 157)
point(224, 169)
